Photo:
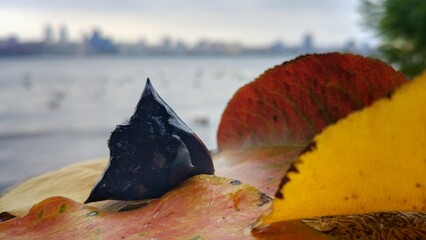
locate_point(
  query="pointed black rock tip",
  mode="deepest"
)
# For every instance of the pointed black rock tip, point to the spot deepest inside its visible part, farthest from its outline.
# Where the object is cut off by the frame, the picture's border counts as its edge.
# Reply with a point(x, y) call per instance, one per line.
point(151, 153)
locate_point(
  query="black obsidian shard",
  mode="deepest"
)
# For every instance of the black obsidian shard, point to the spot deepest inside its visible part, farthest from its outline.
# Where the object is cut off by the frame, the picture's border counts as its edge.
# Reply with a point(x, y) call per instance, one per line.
point(151, 153)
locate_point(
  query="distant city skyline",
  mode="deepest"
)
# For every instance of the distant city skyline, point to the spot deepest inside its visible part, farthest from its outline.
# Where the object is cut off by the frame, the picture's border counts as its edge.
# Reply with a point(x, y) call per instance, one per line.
point(251, 22)
point(57, 42)
point(51, 34)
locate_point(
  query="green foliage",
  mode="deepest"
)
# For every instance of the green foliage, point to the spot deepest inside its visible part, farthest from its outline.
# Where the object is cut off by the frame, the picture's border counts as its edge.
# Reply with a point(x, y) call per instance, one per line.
point(401, 25)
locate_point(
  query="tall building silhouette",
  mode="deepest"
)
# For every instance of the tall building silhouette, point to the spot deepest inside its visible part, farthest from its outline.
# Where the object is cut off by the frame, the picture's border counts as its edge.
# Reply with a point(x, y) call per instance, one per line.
point(63, 35)
point(308, 45)
point(48, 34)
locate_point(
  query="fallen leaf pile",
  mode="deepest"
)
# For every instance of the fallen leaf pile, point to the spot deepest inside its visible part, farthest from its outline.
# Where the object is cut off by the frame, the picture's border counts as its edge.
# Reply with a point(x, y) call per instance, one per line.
point(298, 133)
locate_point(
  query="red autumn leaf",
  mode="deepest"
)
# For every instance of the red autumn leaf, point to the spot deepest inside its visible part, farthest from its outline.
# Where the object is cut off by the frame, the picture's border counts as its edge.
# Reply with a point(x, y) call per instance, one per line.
point(203, 207)
point(290, 103)
point(269, 121)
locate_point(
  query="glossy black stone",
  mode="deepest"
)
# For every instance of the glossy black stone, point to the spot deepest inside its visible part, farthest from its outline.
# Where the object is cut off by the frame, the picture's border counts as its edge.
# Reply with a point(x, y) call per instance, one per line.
point(151, 153)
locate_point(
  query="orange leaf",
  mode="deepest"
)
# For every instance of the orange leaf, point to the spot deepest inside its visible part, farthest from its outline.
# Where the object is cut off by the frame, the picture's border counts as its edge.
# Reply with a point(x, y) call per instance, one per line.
point(269, 121)
point(203, 207)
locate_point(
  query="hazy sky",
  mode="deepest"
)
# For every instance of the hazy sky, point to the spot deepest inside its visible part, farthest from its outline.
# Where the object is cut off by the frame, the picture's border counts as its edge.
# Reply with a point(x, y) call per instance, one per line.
point(249, 21)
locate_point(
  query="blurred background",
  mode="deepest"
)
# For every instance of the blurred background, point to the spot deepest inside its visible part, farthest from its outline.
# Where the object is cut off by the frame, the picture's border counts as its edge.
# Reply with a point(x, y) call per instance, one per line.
point(70, 71)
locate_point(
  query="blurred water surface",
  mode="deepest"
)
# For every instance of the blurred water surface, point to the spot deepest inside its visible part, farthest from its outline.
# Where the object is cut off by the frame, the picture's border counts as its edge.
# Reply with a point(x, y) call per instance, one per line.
point(58, 111)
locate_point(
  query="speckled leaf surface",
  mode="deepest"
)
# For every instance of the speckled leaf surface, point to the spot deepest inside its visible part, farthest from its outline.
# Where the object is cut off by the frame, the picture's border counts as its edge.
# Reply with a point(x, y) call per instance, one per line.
point(203, 207)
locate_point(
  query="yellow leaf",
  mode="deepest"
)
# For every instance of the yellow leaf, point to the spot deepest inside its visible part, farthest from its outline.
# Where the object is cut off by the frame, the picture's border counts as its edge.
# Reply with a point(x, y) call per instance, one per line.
point(73, 181)
point(374, 160)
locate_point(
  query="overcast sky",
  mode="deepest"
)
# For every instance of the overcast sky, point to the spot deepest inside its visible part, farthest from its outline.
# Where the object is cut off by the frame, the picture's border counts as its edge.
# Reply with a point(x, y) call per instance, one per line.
point(252, 22)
